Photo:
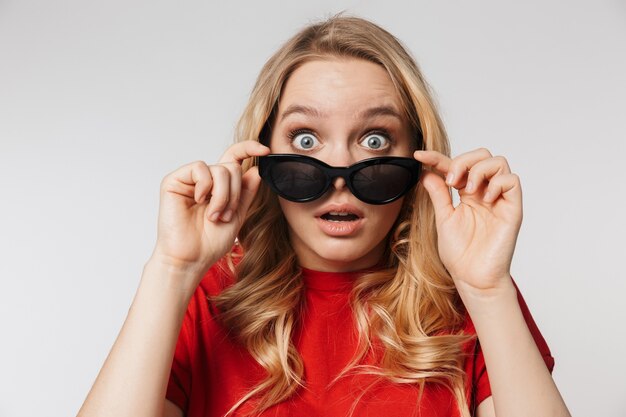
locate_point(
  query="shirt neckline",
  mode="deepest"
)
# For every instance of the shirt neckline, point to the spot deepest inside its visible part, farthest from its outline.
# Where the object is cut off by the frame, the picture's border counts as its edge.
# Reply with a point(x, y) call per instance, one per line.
point(331, 281)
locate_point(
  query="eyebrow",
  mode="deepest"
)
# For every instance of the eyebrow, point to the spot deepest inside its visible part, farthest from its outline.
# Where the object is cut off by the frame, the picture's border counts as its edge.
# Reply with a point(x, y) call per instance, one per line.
point(380, 111)
point(297, 108)
point(366, 114)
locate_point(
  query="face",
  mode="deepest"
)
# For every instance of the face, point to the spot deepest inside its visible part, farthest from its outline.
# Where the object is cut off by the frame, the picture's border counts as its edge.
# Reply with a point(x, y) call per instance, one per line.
point(340, 111)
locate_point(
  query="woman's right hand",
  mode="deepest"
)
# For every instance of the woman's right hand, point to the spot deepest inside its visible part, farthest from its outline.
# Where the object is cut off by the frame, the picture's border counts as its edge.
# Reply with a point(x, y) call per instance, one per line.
point(202, 208)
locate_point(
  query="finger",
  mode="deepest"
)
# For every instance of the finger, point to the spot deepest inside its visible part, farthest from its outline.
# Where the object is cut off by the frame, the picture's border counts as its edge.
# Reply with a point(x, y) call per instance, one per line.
point(434, 159)
point(192, 180)
point(244, 150)
point(235, 190)
point(220, 193)
point(204, 182)
point(506, 185)
point(484, 170)
point(462, 164)
point(439, 194)
point(249, 186)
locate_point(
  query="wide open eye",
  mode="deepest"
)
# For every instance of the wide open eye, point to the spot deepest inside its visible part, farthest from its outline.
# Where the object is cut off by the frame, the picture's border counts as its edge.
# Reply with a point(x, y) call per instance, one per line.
point(304, 141)
point(375, 141)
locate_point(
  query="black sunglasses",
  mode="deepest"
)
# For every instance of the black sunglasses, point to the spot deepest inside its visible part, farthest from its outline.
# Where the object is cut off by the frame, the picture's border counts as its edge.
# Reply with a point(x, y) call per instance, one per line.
point(301, 178)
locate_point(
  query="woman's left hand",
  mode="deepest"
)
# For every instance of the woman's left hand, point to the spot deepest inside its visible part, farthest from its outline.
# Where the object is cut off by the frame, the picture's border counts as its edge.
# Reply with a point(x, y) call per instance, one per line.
point(476, 239)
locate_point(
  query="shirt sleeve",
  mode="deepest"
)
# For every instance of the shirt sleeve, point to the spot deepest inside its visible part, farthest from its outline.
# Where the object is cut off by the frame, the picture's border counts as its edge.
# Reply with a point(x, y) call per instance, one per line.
point(482, 389)
point(179, 384)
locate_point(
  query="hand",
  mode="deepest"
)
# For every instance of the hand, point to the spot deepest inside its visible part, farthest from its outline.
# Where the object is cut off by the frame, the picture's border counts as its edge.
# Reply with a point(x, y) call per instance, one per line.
point(476, 239)
point(202, 208)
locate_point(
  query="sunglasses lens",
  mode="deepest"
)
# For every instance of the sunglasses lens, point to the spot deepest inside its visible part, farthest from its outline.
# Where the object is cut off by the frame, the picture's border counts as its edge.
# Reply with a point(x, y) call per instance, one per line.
point(381, 182)
point(297, 180)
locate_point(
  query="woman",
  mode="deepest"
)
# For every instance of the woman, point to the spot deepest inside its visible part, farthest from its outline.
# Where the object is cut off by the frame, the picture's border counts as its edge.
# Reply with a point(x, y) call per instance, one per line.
point(350, 291)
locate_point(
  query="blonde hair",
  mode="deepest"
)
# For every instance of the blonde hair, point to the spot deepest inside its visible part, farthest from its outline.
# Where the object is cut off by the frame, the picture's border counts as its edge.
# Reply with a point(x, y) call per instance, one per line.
point(410, 307)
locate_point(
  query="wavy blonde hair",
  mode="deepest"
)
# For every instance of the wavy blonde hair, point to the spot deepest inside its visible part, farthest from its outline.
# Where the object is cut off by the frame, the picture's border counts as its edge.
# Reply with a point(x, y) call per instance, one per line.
point(410, 308)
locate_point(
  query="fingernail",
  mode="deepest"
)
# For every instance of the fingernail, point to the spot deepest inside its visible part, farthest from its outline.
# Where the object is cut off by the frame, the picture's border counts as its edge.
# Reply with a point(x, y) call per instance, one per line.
point(488, 196)
point(469, 187)
point(450, 178)
point(228, 214)
point(214, 216)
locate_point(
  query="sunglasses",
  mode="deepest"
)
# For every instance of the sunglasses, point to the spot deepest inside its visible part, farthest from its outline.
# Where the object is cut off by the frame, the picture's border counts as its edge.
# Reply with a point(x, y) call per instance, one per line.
point(301, 178)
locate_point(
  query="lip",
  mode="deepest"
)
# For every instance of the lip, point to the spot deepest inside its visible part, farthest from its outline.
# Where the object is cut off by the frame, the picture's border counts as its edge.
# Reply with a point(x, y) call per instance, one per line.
point(340, 208)
point(339, 229)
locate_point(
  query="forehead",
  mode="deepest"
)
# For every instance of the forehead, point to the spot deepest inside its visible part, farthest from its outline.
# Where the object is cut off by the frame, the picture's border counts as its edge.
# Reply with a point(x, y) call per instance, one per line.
point(340, 86)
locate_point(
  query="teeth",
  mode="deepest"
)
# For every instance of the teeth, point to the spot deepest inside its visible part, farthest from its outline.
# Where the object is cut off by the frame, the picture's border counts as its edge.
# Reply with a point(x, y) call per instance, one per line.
point(337, 216)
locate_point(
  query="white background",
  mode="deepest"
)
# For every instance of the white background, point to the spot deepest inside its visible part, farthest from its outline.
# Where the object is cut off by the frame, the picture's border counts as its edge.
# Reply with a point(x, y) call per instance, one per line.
point(100, 100)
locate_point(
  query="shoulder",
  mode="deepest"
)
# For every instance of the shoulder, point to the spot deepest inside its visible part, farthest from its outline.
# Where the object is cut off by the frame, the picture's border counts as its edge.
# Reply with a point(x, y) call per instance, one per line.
point(219, 277)
point(221, 274)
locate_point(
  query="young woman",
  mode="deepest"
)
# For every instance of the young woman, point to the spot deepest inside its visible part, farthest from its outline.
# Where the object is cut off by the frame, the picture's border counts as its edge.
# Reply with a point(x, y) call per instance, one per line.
point(320, 267)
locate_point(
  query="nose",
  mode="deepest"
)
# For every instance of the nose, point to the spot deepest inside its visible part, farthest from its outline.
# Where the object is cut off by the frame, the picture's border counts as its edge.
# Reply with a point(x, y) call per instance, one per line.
point(339, 183)
point(341, 157)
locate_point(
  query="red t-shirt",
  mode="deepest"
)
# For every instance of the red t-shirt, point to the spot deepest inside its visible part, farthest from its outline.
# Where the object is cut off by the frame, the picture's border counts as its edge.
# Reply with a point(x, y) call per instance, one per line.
point(210, 372)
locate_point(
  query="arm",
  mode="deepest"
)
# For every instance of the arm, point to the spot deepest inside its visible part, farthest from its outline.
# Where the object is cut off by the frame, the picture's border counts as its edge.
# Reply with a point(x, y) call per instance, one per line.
point(476, 241)
point(172, 410)
point(485, 408)
point(201, 211)
point(133, 379)
point(521, 383)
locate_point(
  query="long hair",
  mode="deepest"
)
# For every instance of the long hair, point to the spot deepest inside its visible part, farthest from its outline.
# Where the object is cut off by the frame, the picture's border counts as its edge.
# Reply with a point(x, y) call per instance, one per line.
point(410, 307)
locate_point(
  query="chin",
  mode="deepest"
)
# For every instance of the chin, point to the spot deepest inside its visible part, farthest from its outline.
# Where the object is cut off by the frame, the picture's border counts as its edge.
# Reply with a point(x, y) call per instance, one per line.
point(343, 256)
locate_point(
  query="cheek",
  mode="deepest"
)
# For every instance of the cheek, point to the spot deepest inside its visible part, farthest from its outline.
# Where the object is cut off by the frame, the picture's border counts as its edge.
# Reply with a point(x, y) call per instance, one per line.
point(287, 209)
point(292, 211)
point(387, 214)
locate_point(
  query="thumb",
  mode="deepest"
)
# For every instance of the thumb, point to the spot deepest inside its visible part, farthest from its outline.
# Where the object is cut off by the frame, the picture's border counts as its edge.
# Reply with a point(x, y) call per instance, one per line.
point(250, 182)
point(439, 194)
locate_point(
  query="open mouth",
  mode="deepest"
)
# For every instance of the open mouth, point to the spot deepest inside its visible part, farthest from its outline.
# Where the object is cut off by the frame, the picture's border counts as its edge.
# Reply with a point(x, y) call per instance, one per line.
point(335, 216)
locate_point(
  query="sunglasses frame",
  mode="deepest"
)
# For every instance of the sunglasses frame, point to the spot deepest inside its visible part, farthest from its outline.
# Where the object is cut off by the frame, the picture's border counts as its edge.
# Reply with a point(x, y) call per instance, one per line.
point(347, 173)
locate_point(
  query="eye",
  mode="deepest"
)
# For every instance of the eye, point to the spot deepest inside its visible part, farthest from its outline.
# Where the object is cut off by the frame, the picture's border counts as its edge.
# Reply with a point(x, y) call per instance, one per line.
point(303, 140)
point(375, 141)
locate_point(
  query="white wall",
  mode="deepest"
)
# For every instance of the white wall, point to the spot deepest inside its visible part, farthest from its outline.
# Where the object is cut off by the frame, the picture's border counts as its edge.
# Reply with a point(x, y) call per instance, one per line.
point(100, 100)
